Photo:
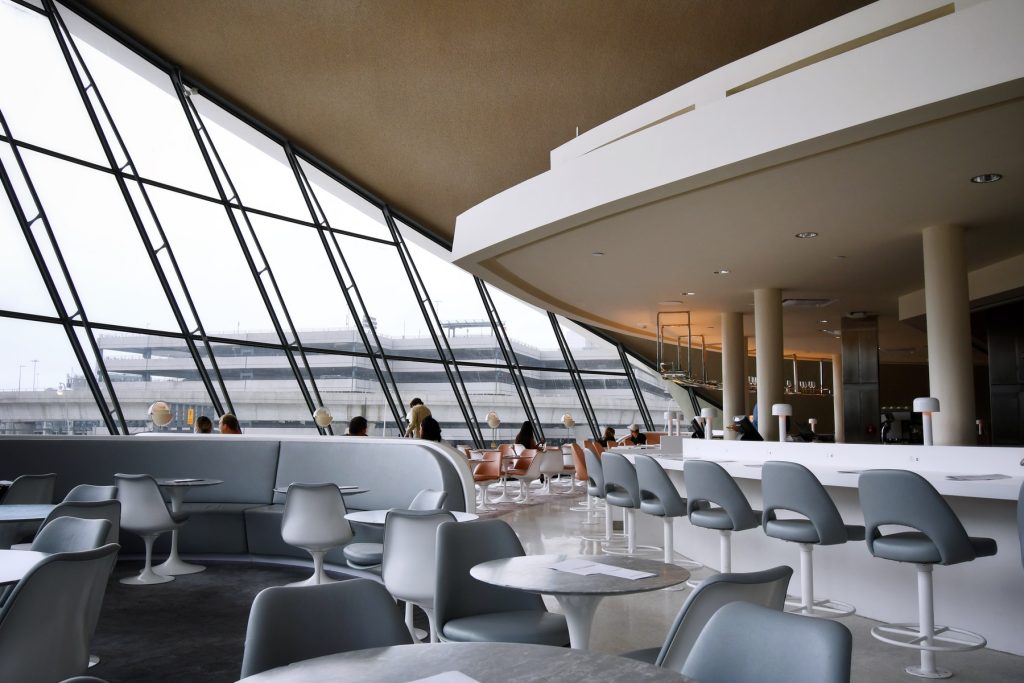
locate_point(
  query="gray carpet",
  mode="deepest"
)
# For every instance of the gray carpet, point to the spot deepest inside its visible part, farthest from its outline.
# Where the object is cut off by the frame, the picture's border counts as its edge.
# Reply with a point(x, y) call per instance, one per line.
point(191, 629)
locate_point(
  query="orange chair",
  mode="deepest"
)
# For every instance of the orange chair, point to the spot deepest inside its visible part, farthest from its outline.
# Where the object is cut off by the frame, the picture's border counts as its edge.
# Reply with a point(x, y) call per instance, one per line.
point(580, 461)
point(485, 474)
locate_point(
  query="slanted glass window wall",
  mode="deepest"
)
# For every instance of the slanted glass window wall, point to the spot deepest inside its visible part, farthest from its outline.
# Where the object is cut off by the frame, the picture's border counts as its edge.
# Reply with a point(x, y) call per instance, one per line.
point(159, 246)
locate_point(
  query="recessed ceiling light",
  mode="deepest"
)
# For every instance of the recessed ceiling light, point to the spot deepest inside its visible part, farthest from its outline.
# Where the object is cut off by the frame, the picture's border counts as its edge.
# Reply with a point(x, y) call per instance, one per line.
point(805, 235)
point(597, 253)
point(987, 178)
point(688, 293)
point(839, 257)
point(822, 321)
point(722, 272)
point(670, 303)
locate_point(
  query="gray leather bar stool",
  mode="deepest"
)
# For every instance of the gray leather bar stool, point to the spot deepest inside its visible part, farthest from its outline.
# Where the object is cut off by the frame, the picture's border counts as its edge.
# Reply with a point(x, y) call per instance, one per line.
point(623, 490)
point(899, 497)
point(791, 487)
point(714, 501)
point(660, 498)
point(595, 488)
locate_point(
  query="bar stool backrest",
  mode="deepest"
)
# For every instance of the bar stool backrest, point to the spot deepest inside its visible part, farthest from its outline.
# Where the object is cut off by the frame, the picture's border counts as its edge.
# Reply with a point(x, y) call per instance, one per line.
point(708, 483)
point(620, 476)
point(31, 489)
point(904, 498)
point(655, 484)
point(595, 474)
point(791, 486)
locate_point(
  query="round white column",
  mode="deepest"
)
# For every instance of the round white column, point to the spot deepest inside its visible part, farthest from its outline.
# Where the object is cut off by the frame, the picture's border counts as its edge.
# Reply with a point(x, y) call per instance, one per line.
point(768, 339)
point(838, 406)
point(734, 380)
point(948, 316)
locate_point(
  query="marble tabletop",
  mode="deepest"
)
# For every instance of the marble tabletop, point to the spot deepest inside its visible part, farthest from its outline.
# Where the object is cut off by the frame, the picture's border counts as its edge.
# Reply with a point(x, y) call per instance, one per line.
point(14, 564)
point(483, 662)
point(533, 573)
point(345, 489)
point(24, 513)
point(380, 516)
point(169, 483)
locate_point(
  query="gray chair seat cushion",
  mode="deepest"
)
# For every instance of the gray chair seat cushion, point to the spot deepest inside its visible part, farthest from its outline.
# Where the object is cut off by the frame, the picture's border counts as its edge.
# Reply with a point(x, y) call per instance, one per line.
point(913, 546)
point(655, 507)
point(364, 554)
point(619, 499)
point(521, 626)
point(717, 518)
point(803, 531)
point(649, 655)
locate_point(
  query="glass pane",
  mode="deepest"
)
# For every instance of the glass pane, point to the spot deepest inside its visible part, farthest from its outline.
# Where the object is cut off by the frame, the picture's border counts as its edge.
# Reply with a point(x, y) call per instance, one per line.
point(389, 297)
point(42, 386)
point(145, 109)
point(529, 330)
point(213, 265)
point(23, 289)
point(492, 389)
point(38, 96)
point(428, 382)
point(613, 402)
point(656, 394)
point(349, 388)
point(588, 350)
point(307, 282)
point(95, 230)
point(257, 166)
point(343, 208)
point(554, 395)
point(147, 368)
point(263, 390)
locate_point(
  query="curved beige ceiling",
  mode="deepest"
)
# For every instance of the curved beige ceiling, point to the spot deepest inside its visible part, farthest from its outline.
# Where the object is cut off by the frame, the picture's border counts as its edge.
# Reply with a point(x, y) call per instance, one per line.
point(436, 105)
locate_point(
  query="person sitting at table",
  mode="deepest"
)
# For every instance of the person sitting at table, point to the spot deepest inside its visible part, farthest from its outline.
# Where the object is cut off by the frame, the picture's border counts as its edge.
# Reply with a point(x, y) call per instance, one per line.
point(416, 415)
point(743, 425)
point(635, 437)
point(608, 440)
point(526, 438)
point(229, 424)
point(357, 426)
point(430, 429)
point(204, 425)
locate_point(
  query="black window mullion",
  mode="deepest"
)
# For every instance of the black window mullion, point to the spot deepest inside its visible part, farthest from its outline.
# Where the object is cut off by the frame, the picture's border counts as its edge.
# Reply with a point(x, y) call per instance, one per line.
point(574, 373)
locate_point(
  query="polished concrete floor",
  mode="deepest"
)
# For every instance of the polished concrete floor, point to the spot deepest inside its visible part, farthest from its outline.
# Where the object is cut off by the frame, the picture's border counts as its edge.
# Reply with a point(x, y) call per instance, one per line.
point(641, 620)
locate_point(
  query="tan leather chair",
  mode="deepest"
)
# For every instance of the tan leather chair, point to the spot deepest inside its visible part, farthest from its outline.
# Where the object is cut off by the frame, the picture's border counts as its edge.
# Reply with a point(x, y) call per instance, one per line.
point(485, 474)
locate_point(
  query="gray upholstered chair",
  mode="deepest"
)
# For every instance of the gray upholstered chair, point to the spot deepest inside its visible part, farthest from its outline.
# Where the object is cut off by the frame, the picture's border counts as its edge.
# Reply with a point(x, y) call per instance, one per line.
point(409, 563)
point(766, 588)
point(31, 489)
point(87, 493)
point(746, 643)
point(45, 624)
point(714, 501)
point(660, 498)
point(551, 465)
point(71, 535)
point(428, 499)
point(906, 499)
point(1020, 522)
point(468, 610)
point(791, 487)
point(314, 520)
point(622, 490)
point(144, 512)
point(291, 623)
point(109, 510)
point(370, 555)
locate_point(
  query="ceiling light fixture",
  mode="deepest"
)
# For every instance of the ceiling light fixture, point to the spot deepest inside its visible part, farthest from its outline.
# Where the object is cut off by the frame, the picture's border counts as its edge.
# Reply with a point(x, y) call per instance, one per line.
point(597, 253)
point(806, 235)
point(688, 293)
point(822, 321)
point(987, 178)
point(670, 303)
point(723, 271)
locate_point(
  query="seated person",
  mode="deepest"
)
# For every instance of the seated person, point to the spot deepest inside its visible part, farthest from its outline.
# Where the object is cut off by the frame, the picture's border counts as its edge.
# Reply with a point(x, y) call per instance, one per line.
point(229, 424)
point(430, 429)
point(608, 440)
point(204, 425)
point(743, 425)
point(416, 415)
point(525, 437)
point(357, 426)
point(635, 436)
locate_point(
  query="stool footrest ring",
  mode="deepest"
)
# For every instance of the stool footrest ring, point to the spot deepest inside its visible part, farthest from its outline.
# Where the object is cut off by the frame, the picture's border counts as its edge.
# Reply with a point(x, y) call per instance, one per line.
point(945, 638)
point(820, 609)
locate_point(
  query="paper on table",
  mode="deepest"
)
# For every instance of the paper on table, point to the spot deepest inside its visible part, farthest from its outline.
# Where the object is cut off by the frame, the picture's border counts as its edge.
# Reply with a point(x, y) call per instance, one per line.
point(184, 481)
point(588, 568)
point(569, 565)
point(631, 574)
point(447, 677)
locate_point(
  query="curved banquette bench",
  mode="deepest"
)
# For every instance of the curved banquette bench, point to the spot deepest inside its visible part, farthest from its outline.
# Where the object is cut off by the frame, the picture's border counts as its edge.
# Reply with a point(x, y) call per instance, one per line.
point(242, 516)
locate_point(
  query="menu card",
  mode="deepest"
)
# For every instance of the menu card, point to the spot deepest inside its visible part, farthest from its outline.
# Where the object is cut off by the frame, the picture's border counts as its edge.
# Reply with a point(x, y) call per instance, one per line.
point(588, 568)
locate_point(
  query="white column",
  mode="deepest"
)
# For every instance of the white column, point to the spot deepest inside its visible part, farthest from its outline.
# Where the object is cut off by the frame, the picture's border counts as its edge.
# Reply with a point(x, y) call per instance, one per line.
point(948, 316)
point(838, 407)
point(749, 398)
point(734, 379)
point(768, 339)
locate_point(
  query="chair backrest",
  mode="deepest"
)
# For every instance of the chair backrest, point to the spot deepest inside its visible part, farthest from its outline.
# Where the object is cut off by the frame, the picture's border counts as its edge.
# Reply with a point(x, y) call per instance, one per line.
point(291, 623)
point(524, 459)
point(460, 547)
point(109, 510)
point(766, 588)
point(1020, 521)
point(655, 485)
point(85, 493)
point(45, 623)
point(428, 499)
point(579, 461)
point(31, 489)
point(506, 449)
point(551, 462)
point(142, 505)
point(594, 446)
point(314, 516)
point(490, 466)
point(620, 476)
point(708, 483)
point(595, 474)
point(71, 535)
point(904, 498)
point(410, 553)
point(776, 647)
point(791, 486)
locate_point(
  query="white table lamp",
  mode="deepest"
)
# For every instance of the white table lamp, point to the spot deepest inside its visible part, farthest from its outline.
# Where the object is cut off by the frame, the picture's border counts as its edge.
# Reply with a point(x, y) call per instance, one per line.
point(708, 414)
point(926, 405)
point(782, 411)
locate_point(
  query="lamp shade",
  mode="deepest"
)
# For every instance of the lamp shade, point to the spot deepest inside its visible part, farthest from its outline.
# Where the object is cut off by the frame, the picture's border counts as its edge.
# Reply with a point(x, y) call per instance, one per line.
point(568, 421)
point(322, 417)
point(780, 409)
point(160, 413)
point(707, 412)
point(926, 404)
point(493, 421)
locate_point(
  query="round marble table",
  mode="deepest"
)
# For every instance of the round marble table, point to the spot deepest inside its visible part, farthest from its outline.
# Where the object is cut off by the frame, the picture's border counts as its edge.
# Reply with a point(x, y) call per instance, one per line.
point(578, 595)
point(176, 490)
point(14, 564)
point(483, 662)
point(24, 513)
point(378, 517)
point(344, 489)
